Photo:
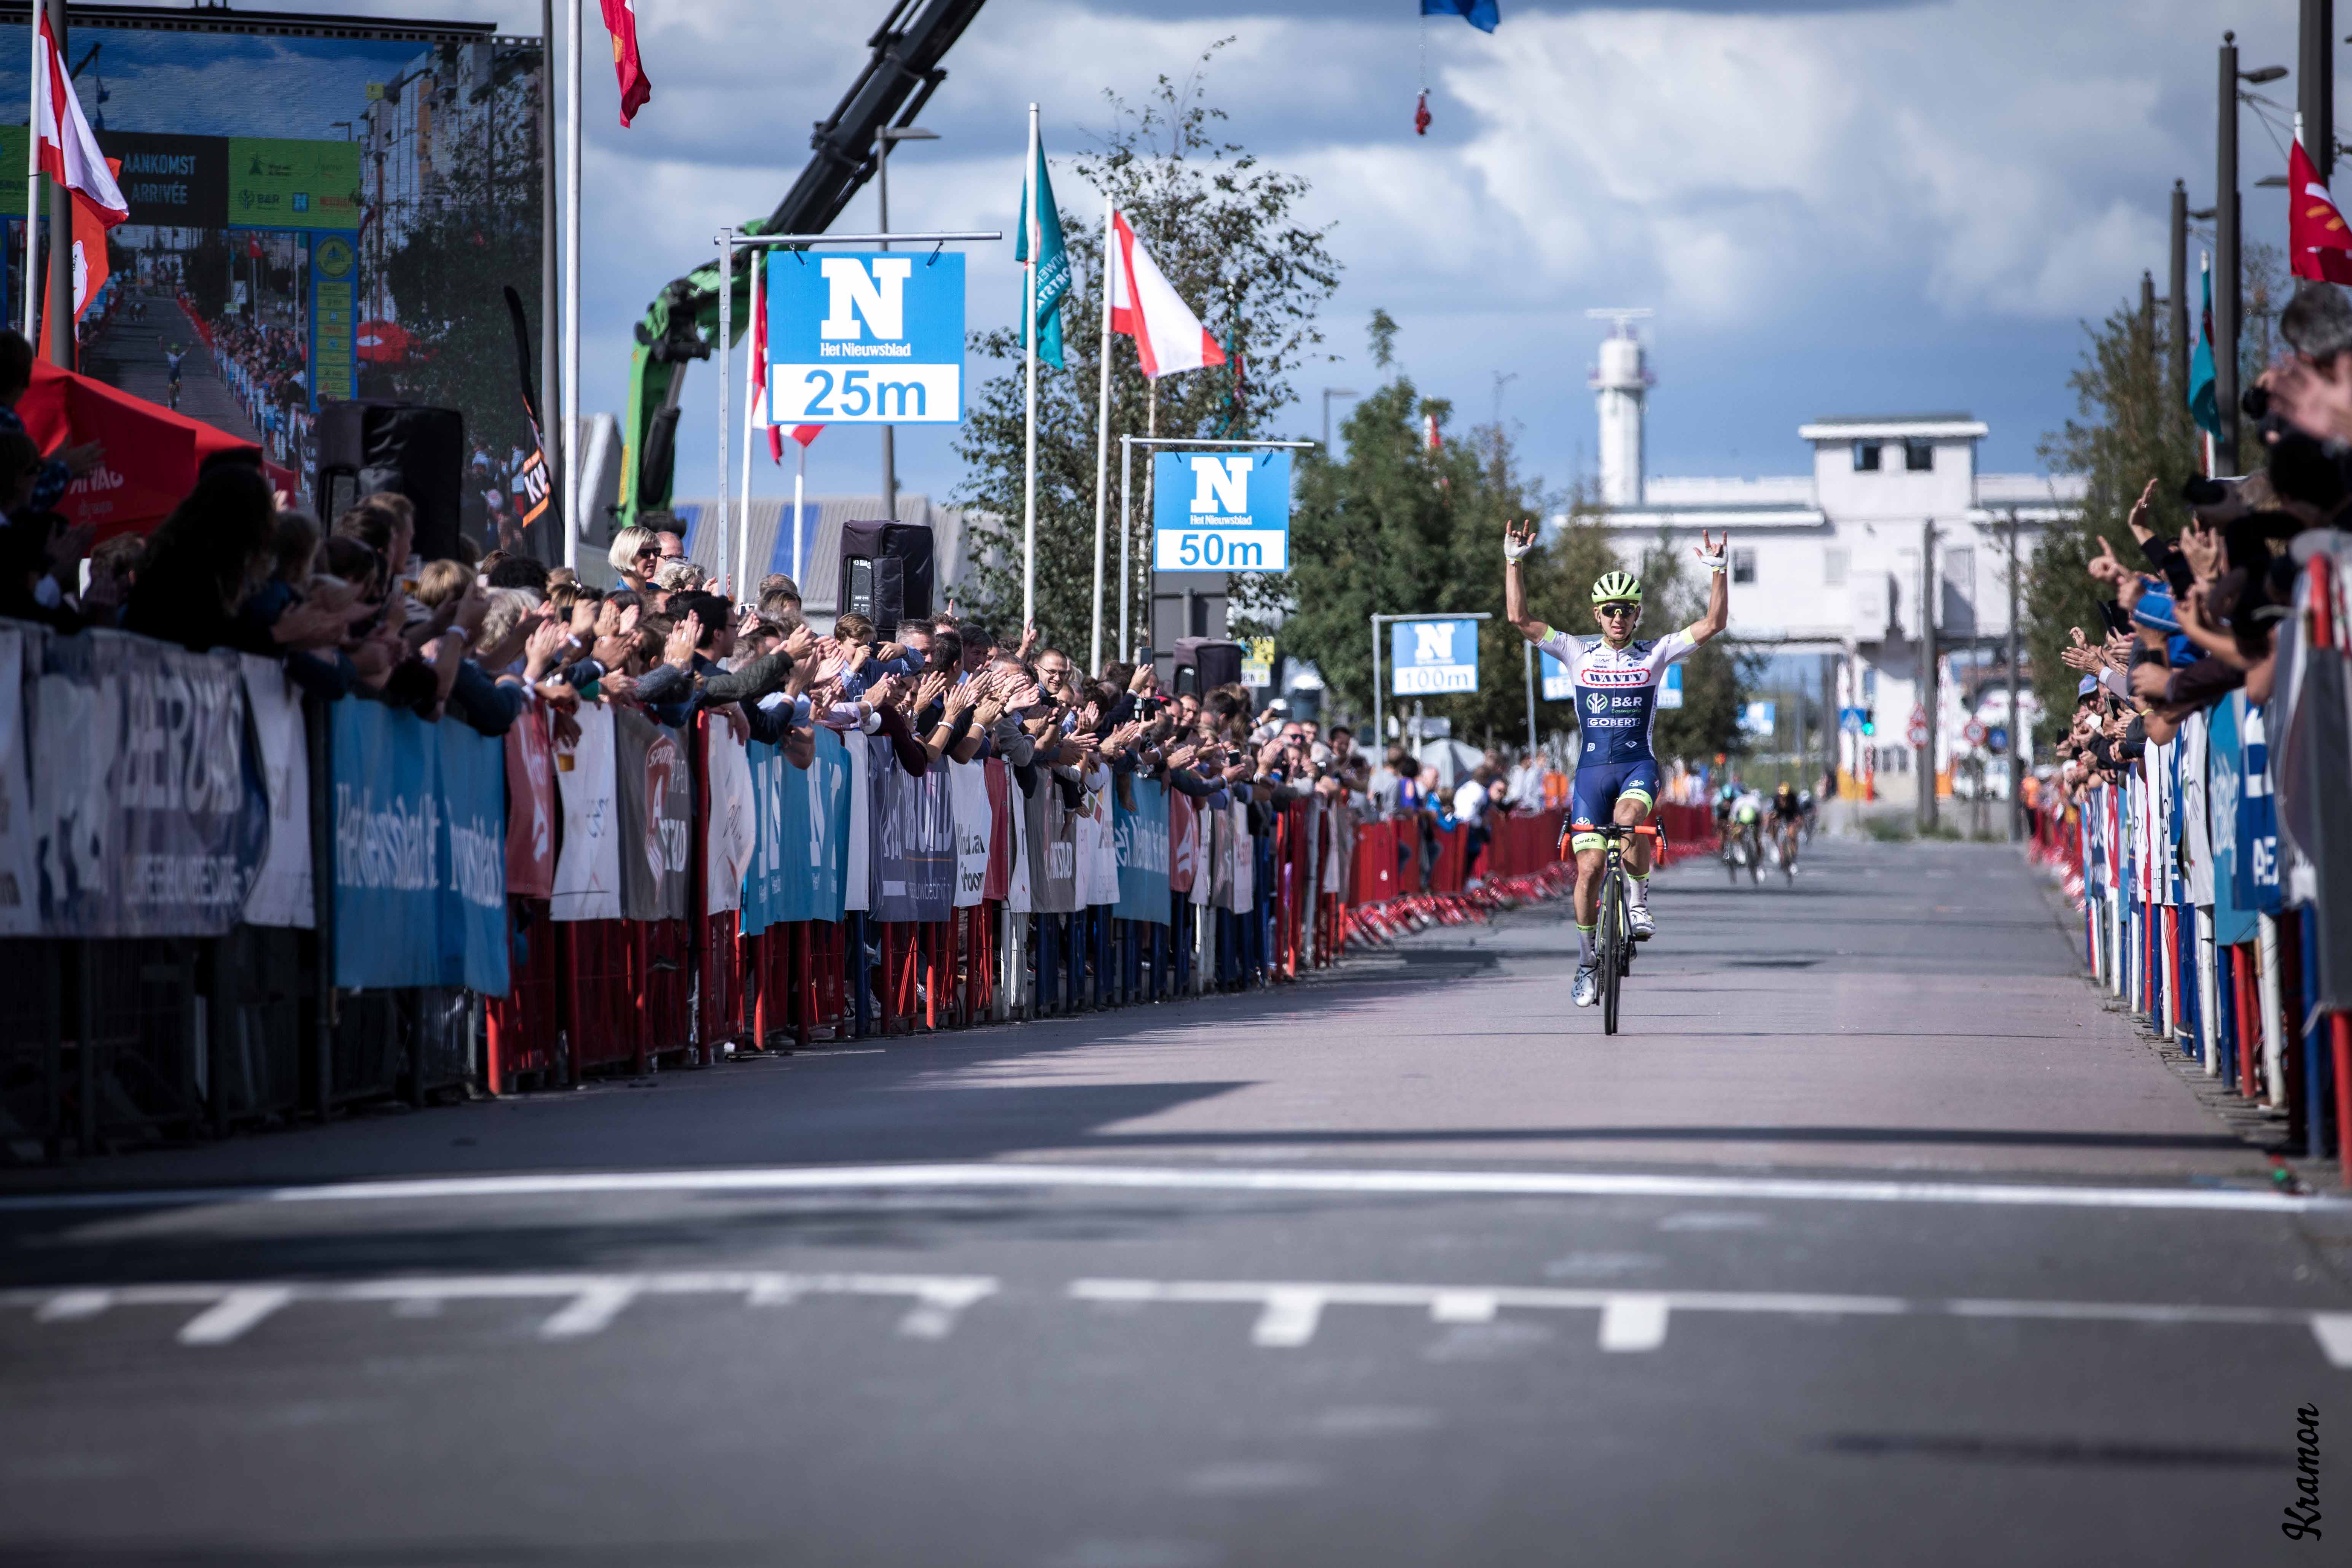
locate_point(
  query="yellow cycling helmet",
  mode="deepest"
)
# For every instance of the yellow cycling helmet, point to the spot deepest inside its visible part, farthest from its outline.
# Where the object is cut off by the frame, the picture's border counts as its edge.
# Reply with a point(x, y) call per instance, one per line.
point(1617, 588)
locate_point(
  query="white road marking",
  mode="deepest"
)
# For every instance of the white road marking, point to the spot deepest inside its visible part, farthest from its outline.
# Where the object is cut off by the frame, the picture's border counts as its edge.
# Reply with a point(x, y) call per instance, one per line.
point(2334, 1331)
point(591, 1311)
point(1633, 1324)
point(1351, 1182)
point(72, 1306)
point(226, 1319)
point(1289, 1320)
point(1462, 1307)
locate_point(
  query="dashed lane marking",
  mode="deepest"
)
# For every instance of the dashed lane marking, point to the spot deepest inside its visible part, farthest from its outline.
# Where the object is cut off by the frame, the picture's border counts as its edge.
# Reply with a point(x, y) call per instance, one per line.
point(589, 1301)
point(1289, 1313)
point(1041, 1175)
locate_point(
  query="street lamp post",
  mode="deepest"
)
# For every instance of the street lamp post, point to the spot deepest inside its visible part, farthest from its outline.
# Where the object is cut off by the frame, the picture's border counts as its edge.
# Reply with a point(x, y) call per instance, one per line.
point(2225, 249)
point(883, 142)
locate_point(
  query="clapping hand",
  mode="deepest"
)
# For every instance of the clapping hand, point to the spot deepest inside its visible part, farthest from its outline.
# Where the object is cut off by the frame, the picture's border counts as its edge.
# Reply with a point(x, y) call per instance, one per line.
point(678, 651)
point(2081, 655)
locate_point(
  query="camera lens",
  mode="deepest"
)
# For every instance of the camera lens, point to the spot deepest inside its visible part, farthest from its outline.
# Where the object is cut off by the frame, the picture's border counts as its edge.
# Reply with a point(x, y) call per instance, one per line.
point(2255, 401)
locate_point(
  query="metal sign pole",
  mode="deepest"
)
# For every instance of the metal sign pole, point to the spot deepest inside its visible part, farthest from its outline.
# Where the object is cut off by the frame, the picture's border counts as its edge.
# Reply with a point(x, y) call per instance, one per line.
point(726, 338)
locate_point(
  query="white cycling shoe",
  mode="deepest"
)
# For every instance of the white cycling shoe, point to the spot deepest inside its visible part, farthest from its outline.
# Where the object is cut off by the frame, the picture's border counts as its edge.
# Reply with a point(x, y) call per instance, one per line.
point(1588, 985)
point(1638, 922)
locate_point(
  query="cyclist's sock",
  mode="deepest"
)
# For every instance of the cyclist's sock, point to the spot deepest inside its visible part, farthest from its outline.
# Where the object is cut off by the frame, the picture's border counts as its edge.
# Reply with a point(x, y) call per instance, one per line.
point(1639, 895)
point(1588, 940)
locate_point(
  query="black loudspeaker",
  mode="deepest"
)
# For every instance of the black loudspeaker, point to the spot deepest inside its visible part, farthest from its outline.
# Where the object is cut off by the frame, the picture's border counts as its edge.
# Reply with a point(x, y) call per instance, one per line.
point(886, 573)
point(1205, 662)
point(368, 447)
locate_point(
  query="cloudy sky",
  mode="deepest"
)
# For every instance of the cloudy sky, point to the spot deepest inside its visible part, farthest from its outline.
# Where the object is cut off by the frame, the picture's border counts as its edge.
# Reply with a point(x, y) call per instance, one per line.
point(1836, 207)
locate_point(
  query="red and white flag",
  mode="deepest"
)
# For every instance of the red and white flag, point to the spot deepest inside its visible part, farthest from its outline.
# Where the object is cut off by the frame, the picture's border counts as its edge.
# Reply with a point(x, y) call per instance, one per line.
point(1168, 337)
point(2316, 238)
point(70, 153)
point(637, 90)
point(804, 434)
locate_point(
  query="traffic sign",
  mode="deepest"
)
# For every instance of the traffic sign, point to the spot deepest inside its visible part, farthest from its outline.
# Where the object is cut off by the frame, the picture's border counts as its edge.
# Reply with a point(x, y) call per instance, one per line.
point(1849, 718)
point(1434, 656)
point(1670, 687)
point(1918, 731)
point(1221, 512)
point(1975, 732)
point(864, 338)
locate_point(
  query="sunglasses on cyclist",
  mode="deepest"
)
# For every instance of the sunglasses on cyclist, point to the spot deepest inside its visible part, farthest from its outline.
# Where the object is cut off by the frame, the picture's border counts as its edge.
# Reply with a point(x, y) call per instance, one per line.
point(1614, 610)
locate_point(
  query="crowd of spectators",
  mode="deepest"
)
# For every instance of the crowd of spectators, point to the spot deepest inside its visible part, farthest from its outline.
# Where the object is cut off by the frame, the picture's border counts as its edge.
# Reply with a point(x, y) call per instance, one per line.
point(2198, 616)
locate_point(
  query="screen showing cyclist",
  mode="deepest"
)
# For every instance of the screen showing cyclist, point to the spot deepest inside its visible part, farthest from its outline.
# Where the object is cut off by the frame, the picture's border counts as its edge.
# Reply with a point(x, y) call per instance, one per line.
point(1616, 677)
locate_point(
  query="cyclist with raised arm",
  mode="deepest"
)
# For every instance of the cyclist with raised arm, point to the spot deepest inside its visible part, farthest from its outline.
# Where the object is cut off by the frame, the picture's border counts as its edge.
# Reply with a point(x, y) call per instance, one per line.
point(1616, 681)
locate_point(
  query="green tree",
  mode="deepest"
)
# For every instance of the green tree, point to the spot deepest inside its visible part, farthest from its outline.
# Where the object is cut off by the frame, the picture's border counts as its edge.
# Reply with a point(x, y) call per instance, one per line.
point(1223, 228)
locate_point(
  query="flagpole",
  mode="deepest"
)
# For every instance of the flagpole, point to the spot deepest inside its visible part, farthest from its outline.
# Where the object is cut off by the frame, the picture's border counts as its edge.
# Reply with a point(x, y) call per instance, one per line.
point(750, 425)
point(33, 189)
point(1029, 337)
point(799, 483)
point(726, 342)
point(1102, 460)
point(574, 524)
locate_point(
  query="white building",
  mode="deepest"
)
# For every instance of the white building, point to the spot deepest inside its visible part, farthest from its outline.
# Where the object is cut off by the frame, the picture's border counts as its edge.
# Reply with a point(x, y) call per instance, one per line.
point(1829, 562)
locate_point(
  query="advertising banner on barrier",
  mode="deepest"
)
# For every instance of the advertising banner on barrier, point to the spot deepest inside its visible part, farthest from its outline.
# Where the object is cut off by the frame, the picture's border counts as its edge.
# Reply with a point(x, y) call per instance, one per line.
point(856, 875)
point(20, 912)
point(2233, 921)
point(420, 852)
point(818, 814)
point(1020, 896)
point(588, 870)
point(968, 793)
point(2258, 845)
point(1183, 843)
point(728, 831)
point(531, 805)
point(1052, 831)
point(148, 817)
point(472, 779)
point(1142, 845)
point(281, 890)
point(388, 848)
point(1097, 848)
point(914, 840)
point(1001, 845)
point(2196, 837)
point(655, 791)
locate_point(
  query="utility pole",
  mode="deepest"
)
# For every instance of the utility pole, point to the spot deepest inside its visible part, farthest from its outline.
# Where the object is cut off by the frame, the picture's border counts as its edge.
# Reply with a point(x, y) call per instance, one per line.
point(2178, 336)
point(2225, 261)
point(1927, 693)
point(2017, 759)
point(2314, 71)
point(1329, 393)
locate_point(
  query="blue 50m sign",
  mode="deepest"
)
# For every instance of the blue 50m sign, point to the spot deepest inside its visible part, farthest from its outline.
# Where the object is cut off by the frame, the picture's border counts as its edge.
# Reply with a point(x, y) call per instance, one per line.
point(864, 338)
point(1221, 512)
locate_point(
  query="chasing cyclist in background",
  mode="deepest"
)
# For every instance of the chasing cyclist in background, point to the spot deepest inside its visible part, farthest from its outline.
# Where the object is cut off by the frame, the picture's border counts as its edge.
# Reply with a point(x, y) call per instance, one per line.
point(1616, 681)
point(1787, 814)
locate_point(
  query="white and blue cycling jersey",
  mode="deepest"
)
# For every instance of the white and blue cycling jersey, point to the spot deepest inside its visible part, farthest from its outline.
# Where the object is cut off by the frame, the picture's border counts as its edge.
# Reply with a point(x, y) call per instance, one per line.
point(1616, 692)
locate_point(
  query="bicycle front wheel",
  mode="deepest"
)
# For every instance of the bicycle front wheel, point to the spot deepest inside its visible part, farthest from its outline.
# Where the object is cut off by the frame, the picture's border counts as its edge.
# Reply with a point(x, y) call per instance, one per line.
point(1612, 940)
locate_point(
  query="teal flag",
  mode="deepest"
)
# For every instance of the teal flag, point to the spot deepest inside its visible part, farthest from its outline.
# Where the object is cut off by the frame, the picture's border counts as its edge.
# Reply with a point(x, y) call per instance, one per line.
point(2200, 370)
point(1053, 262)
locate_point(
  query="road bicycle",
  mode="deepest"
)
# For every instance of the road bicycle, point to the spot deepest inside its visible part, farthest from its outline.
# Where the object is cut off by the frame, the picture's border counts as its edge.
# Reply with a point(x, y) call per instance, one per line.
point(1743, 846)
point(1616, 942)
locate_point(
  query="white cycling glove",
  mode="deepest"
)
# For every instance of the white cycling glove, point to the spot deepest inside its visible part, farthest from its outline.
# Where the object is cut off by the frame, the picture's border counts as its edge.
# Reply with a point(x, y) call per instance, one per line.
point(1516, 549)
point(1718, 562)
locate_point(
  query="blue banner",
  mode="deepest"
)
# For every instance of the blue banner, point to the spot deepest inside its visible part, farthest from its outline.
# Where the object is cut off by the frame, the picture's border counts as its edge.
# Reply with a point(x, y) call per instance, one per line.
point(388, 850)
point(1436, 655)
point(2233, 920)
point(1221, 512)
point(2258, 848)
point(474, 948)
point(1142, 838)
point(799, 859)
point(913, 861)
point(420, 852)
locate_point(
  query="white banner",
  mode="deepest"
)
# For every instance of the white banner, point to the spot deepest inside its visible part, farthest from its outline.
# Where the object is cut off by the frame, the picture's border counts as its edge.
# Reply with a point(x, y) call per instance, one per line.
point(1245, 860)
point(281, 893)
point(1098, 847)
point(1017, 899)
point(968, 800)
point(732, 833)
point(588, 870)
point(20, 906)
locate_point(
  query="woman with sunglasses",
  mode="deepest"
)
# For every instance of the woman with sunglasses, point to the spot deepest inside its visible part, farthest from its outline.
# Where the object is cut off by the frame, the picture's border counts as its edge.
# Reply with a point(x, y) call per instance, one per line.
point(1617, 680)
point(635, 553)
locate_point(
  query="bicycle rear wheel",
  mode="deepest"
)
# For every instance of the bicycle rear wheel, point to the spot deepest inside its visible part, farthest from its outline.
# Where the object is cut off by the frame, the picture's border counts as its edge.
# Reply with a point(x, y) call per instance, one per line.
point(1612, 942)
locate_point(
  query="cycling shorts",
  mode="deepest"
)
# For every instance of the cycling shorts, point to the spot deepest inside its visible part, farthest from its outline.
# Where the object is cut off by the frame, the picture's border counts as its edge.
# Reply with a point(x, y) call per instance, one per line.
point(1599, 786)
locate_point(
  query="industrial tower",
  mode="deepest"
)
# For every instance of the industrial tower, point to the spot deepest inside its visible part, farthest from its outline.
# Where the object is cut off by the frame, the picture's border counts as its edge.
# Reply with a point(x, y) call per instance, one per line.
point(1620, 384)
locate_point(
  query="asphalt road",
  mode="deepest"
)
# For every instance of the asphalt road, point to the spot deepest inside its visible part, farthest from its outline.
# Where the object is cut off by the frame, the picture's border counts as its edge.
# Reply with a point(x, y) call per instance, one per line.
point(1874, 1239)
